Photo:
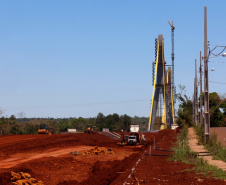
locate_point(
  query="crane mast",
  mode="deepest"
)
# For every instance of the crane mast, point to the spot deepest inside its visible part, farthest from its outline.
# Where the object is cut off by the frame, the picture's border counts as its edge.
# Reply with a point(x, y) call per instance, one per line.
point(172, 57)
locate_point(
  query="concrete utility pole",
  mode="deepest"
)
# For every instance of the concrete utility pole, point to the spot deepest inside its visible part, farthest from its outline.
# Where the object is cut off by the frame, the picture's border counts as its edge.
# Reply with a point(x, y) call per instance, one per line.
point(196, 95)
point(206, 82)
point(200, 69)
point(193, 116)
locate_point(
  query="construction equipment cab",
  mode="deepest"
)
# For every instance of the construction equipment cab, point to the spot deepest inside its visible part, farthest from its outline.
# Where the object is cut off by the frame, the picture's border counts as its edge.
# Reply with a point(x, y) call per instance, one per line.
point(90, 129)
point(44, 129)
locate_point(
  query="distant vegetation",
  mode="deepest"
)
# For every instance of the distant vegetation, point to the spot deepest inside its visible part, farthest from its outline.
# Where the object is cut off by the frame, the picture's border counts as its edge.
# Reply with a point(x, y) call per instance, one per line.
point(217, 109)
point(13, 125)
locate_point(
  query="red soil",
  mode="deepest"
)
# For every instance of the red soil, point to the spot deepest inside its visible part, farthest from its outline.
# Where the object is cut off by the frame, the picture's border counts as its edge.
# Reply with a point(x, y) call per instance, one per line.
point(158, 170)
point(96, 169)
point(38, 143)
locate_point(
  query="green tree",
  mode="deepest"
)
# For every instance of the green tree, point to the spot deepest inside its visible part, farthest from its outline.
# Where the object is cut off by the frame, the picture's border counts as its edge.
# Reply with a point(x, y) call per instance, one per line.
point(15, 129)
point(215, 103)
point(31, 128)
point(126, 122)
point(12, 120)
point(53, 126)
point(184, 112)
point(63, 126)
point(217, 109)
point(110, 122)
point(100, 121)
point(79, 124)
point(116, 117)
point(3, 122)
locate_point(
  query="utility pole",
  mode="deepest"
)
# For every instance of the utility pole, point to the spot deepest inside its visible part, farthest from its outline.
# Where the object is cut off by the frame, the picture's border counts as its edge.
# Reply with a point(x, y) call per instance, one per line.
point(172, 57)
point(200, 83)
point(206, 82)
point(196, 94)
point(193, 116)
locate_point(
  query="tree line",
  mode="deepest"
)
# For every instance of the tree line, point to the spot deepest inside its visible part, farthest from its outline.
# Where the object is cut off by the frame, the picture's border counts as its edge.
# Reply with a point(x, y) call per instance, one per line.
point(13, 125)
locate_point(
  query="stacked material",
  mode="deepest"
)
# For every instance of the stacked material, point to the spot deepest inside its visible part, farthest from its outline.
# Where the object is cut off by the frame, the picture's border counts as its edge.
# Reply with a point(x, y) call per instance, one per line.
point(98, 150)
point(24, 179)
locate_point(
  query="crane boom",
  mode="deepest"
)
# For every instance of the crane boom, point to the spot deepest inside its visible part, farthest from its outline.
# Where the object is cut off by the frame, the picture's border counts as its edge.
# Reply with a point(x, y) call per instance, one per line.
point(171, 25)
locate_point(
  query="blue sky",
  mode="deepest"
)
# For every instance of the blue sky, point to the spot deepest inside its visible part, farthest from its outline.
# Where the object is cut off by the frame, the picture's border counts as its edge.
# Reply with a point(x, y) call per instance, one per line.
point(77, 58)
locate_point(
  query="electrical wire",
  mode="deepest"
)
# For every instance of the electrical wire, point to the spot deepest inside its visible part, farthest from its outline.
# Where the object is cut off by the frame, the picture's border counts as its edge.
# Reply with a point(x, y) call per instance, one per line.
point(217, 45)
point(72, 105)
point(216, 62)
point(218, 82)
point(216, 55)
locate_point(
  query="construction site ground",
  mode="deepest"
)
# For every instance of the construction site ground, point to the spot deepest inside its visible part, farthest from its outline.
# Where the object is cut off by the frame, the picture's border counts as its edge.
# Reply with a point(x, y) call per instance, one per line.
point(51, 159)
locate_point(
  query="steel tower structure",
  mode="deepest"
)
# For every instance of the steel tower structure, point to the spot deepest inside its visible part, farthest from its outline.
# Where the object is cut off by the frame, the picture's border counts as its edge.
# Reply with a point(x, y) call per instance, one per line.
point(162, 105)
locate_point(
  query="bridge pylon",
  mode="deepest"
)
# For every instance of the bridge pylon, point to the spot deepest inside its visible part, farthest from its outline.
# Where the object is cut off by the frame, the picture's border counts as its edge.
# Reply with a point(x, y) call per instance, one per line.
point(162, 104)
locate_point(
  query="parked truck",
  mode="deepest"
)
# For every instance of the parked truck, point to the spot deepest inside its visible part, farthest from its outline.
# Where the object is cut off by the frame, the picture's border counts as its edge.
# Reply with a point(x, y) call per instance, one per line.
point(134, 137)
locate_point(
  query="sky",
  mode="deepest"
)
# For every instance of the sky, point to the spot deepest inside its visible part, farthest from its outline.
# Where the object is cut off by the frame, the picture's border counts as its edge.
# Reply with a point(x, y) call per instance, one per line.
point(78, 58)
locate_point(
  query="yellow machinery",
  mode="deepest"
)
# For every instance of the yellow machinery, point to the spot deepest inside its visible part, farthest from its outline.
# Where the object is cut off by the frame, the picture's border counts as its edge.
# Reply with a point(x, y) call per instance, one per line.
point(90, 129)
point(43, 129)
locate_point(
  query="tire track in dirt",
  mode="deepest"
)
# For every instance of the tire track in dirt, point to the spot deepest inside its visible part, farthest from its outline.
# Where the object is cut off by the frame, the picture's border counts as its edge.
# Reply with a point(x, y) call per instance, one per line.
point(22, 158)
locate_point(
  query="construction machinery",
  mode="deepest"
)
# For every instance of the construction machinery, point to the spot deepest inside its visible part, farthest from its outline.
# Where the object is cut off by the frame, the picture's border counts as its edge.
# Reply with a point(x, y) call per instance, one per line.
point(90, 129)
point(44, 129)
point(134, 138)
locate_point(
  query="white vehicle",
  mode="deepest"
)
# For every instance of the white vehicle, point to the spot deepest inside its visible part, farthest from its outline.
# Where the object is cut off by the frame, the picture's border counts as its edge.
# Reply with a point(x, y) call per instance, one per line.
point(71, 130)
point(132, 140)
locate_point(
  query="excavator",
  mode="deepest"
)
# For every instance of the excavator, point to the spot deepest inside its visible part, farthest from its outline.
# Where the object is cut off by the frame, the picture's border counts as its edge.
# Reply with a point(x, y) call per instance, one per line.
point(44, 129)
point(90, 129)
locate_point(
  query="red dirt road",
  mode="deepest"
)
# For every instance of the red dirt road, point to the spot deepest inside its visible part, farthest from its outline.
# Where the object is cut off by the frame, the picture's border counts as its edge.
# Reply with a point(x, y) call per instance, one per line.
point(47, 158)
point(25, 157)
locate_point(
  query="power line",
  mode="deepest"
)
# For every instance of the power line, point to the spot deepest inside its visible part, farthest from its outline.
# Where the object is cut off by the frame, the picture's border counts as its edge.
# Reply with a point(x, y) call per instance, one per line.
point(217, 82)
point(217, 46)
point(72, 105)
point(216, 55)
point(216, 62)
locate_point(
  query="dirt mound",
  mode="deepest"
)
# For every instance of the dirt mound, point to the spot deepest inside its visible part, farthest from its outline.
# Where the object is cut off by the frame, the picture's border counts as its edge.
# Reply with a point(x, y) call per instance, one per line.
point(24, 178)
point(98, 150)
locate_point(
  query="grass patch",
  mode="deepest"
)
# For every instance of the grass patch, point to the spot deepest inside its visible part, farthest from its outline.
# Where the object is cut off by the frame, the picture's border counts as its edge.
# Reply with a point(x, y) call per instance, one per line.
point(202, 166)
point(214, 147)
point(183, 153)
